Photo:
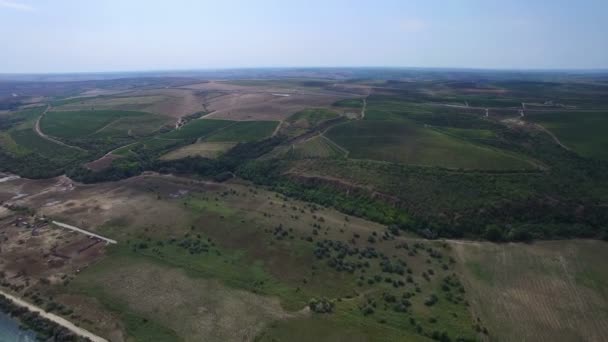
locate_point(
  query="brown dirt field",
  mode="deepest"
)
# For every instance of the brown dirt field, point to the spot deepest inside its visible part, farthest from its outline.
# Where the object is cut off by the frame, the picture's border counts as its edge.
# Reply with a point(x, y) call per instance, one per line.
point(132, 202)
point(265, 102)
point(28, 255)
point(101, 163)
point(265, 106)
point(548, 291)
point(201, 149)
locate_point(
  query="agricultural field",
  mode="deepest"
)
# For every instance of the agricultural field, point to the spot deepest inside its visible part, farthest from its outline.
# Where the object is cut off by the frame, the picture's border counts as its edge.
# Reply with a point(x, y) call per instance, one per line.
point(406, 142)
point(79, 124)
point(316, 147)
point(584, 132)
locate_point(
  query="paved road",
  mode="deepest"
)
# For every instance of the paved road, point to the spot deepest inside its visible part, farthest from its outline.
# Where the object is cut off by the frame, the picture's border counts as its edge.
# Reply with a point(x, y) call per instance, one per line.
point(54, 318)
point(76, 229)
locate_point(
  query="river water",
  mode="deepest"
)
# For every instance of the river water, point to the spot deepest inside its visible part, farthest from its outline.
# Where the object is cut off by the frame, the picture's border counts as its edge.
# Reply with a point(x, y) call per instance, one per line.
point(10, 332)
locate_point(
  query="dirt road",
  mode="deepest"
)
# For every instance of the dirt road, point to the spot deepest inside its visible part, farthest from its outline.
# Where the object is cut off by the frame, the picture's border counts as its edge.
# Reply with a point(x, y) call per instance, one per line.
point(54, 318)
point(85, 232)
point(363, 108)
point(44, 136)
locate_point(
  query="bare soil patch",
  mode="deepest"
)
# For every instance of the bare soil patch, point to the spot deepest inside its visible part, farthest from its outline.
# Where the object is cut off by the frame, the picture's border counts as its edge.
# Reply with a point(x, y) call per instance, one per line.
point(101, 163)
point(201, 149)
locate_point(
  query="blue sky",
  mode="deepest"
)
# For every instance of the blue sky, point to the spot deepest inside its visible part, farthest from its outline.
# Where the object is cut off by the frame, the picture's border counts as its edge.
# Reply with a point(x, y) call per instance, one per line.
point(112, 35)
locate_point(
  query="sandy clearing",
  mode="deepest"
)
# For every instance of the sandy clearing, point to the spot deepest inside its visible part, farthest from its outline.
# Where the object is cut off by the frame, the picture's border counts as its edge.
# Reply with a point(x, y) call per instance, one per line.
point(54, 318)
point(201, 149)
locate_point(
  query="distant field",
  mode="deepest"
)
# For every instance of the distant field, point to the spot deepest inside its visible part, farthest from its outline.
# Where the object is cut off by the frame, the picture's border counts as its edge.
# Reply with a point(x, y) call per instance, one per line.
point(78, 124)
point(244, 131)
point(317, 147)
point(198, 128)
point(350, 103)
point(312, 116)
point(408, 143)
point(584, 132)
point(547, 291)
point(133, 126)
point(201, 149)
point(167, 102)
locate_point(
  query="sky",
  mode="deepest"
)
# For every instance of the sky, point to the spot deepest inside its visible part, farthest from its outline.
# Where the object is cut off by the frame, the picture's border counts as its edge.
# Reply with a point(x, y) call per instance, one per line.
point(56, 36)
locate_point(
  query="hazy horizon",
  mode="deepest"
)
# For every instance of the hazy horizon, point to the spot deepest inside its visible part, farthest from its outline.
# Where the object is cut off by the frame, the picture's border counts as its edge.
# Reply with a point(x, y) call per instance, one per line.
point(69, 36)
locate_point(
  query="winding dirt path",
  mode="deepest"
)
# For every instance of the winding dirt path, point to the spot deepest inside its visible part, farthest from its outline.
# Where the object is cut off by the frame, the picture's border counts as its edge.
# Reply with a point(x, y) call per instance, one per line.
point(44, 136)
point(542, 128)
point(54, 318)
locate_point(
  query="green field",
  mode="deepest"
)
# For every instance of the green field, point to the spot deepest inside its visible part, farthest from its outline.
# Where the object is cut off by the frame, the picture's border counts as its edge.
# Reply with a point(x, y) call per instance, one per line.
point(317, 147)
point(584, 132)
point(244, 131)
point(133, 126)
point(405, 142)
point(79, 124)
point(313, 117)
point(31, 141)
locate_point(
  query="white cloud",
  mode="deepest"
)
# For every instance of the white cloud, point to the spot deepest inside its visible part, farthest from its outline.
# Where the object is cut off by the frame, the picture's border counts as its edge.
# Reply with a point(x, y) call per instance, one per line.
point(15, 5)
point(412, 25)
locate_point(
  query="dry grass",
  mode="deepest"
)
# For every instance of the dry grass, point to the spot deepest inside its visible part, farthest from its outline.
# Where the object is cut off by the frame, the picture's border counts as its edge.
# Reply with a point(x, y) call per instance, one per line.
point(207, 310)
point(548, 291)
point(201, 149)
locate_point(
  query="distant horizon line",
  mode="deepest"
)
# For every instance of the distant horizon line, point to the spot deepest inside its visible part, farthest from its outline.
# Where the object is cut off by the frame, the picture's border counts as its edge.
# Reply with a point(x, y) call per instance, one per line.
point(143, 71)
